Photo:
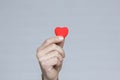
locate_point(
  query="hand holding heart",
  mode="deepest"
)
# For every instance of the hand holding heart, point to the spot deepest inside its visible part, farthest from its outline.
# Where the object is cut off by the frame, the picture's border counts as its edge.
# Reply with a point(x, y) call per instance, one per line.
point(51, 55)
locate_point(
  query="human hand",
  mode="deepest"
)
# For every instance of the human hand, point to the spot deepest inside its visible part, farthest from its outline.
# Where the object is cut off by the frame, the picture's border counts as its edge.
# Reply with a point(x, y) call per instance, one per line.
point(50, 56)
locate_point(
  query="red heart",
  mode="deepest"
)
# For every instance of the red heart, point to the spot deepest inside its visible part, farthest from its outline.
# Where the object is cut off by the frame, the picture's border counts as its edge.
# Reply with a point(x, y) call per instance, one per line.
point(61, 31)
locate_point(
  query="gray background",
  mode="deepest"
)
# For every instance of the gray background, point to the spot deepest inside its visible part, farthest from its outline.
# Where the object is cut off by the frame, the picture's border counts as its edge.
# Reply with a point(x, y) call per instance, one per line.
point(92, 47)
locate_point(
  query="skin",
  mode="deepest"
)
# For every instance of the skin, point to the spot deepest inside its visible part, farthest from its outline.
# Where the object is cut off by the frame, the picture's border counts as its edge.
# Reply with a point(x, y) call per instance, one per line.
point(50, 56)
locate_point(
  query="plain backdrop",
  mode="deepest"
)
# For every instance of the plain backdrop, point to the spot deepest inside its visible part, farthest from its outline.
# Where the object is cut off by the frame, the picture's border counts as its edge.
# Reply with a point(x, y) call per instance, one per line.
point(92, 46)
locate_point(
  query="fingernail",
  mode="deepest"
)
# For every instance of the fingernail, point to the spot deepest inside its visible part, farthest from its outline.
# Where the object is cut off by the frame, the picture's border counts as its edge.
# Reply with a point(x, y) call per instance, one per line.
point(60, 38)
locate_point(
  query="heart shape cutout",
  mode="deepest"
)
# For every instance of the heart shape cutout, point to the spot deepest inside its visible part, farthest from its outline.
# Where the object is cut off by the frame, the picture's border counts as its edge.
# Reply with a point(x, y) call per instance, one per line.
point(61, 31)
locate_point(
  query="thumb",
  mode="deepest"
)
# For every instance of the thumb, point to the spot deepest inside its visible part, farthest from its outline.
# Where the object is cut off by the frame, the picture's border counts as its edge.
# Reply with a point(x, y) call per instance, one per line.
point(61, 44)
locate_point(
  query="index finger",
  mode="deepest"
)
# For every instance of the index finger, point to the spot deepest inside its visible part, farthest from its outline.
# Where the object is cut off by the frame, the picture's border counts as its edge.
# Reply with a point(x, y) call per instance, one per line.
point(53, 40)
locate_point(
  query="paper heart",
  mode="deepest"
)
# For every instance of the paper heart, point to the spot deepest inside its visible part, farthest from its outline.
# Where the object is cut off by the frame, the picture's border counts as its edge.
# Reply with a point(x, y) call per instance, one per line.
point(61, 31)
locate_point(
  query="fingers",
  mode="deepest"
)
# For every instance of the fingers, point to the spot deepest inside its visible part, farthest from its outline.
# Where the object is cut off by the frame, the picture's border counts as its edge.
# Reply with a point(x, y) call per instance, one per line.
point(56, 39)
point(51, 59)
point(51, 63)
point(51, 55)
point(50, 48)
point(54, 62)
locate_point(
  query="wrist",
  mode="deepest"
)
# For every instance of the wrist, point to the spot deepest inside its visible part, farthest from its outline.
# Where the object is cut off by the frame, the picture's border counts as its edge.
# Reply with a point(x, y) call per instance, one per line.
point(44, 78)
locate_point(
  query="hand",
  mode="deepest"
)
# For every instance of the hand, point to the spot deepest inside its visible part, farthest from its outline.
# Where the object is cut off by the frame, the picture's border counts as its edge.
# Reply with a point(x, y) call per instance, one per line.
point(50, 56)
